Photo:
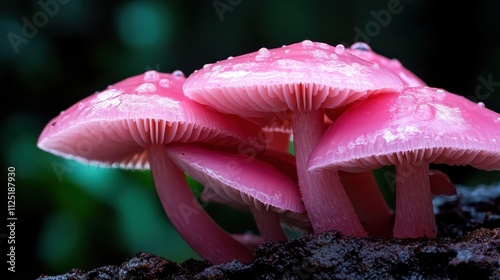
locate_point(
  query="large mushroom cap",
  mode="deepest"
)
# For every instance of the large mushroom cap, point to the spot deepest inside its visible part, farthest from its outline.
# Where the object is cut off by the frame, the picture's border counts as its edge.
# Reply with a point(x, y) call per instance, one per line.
point(113, 127)
point(302, 76)
point(420, 124)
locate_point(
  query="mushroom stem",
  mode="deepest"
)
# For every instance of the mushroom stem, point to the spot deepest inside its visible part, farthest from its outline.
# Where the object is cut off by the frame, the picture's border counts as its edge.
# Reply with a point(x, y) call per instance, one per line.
point(414, 210)
point(207, 238)
point(324, 197)
point(269, 225)
point(371, 207)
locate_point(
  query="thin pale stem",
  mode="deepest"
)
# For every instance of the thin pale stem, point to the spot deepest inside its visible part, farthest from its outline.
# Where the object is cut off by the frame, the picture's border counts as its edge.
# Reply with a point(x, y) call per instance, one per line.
point(324, 196)
point(207, 238)
point(269, 225)
point(414, 210)
point(371, 207)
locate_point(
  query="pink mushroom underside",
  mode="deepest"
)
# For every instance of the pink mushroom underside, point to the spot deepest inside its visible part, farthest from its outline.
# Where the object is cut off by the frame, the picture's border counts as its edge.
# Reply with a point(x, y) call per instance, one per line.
point(247, 183)
point(209, 240)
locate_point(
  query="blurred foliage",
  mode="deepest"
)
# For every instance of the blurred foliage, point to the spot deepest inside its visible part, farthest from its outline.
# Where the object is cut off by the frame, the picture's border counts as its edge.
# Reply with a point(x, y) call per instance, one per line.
point(71, 215)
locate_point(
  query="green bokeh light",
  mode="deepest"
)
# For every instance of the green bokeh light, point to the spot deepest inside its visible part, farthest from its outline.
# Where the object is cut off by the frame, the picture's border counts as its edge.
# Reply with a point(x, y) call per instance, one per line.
point(98, 181)
point(145, 228)
point(59, 238)
point(144, 24)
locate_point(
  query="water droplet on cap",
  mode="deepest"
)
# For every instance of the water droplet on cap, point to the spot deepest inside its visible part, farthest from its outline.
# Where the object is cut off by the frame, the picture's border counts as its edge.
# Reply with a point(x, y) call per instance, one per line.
point(165, 83)
point(151, 76)
point(230, 57)
point(360, 46)
point(178, 73)
point(425, 111)
point(146, 88)
point(481, 104)
point(263, 53)
point(497, 120)
point(307, 43)
point(207, 65)
point(396, 62)
point(339, 49)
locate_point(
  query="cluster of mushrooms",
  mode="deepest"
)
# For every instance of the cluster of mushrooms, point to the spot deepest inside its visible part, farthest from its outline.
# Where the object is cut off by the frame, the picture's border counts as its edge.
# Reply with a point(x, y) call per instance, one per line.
point(228, 126)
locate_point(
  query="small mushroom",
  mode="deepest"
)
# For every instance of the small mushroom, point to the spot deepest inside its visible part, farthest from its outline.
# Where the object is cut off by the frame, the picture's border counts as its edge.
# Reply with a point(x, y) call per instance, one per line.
point(129, 124)
point(249, 184)
point(301, 78)
point(411, 129)
point(441, 184)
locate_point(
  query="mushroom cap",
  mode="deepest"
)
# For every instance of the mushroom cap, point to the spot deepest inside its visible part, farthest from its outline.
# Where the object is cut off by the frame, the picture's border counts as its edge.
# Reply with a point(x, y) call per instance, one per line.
point(416, 125)
point(302, 76)
point(364, 51)
point(236, 180)
point(113, 127)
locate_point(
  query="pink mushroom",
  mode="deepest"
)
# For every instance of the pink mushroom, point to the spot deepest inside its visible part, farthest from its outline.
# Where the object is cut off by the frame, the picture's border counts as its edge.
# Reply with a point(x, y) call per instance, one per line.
point(441, 184)
point(252, 185)
point(410, 129)
point(129, 124)
point(302, 78)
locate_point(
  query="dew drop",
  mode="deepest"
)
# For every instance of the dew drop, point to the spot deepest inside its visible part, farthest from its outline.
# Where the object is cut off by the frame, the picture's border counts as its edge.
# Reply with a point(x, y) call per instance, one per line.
point(205, 66)
point(360, 46)
point(146, 88)
point(396, 62)
point(262, 54)
point(151, 76)
point(230, 57)
point(178, 73)
point(339, 49)
point(307, 44)
point(425, 111)
point(324, 46)
point(481, 104)
point(497, 120)
point(319, 54)
point(165, 83)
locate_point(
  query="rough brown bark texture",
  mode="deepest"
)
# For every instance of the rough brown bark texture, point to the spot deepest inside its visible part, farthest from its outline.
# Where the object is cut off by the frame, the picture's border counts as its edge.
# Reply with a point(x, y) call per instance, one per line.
point(467, 247)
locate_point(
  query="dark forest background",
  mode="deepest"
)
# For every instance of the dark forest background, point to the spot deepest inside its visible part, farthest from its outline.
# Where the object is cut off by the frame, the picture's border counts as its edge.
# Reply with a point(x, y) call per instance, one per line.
point(54, 53)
